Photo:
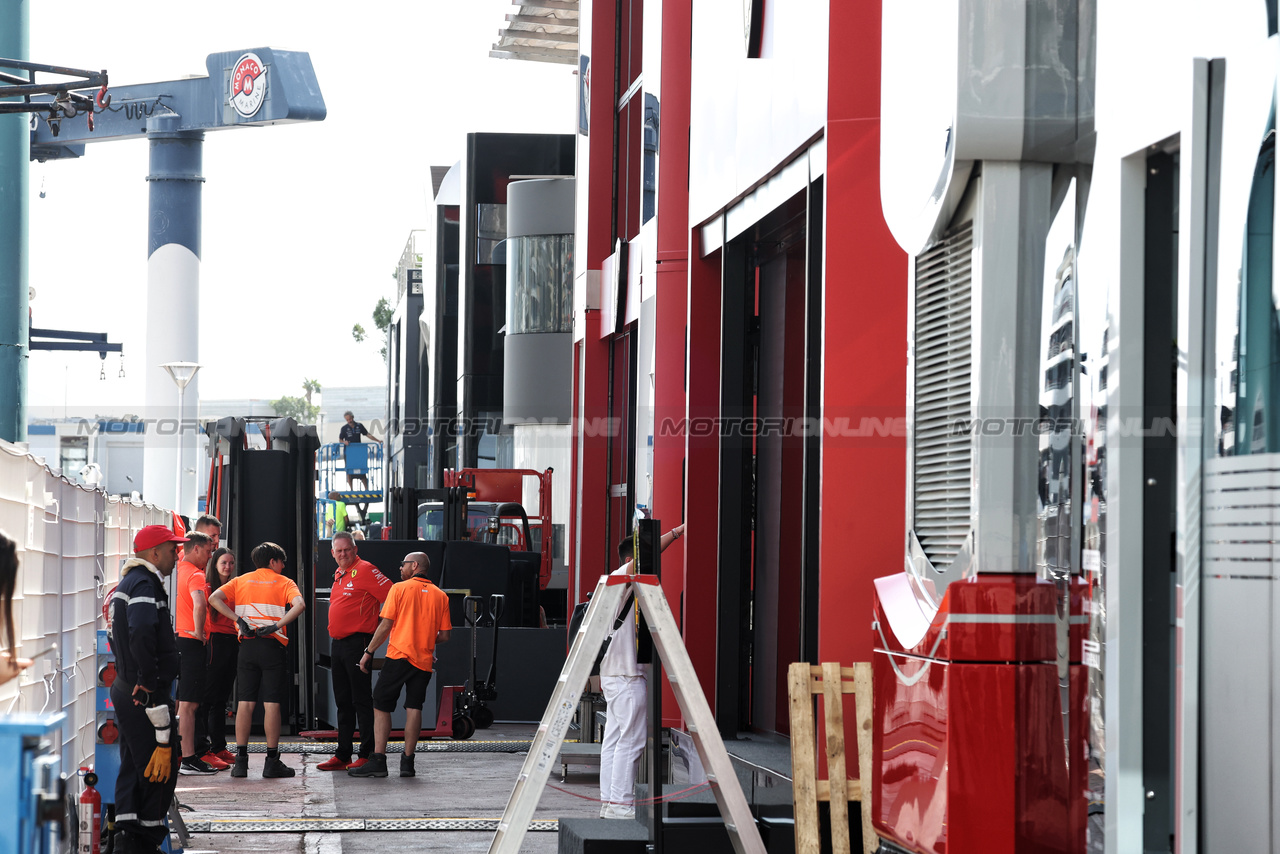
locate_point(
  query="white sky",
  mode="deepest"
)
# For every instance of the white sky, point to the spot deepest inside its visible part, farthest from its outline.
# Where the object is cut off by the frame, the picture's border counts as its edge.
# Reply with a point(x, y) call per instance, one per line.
point(303, 224)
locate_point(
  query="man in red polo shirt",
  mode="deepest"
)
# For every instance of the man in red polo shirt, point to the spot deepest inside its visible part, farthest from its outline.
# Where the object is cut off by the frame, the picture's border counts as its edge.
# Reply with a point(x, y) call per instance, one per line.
point(355, 599)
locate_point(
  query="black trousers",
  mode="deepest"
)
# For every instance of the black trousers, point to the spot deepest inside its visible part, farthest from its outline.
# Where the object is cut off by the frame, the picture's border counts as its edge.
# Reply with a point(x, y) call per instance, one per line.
point(219, 677)
point(353, 693)
point(141, 806)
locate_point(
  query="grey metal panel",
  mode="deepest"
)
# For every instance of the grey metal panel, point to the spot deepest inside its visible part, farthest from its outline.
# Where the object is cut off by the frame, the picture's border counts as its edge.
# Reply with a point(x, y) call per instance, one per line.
point(942, 346)
point(1007, 283)
point(537, 380)
point(1125, 794)
point(1236, 739)
point(540, 206)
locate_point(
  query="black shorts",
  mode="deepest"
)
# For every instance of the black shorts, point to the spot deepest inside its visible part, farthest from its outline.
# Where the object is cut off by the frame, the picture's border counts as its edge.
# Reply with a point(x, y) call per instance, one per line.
point(398, 673)
point(261, 674)
point(193, 659)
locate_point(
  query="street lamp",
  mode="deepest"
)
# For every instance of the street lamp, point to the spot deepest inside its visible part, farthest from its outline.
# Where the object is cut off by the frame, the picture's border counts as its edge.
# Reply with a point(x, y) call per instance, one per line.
point(181, 373)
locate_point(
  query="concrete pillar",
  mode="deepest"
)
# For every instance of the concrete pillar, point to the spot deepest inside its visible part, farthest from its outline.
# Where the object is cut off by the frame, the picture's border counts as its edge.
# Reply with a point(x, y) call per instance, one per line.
point(173, 303)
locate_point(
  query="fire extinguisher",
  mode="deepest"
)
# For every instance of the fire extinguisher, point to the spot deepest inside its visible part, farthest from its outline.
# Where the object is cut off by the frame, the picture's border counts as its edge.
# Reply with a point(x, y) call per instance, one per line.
point(90, 815)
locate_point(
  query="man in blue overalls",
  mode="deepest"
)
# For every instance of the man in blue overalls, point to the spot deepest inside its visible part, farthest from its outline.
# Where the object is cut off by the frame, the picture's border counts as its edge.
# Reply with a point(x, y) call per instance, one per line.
point(146, 664)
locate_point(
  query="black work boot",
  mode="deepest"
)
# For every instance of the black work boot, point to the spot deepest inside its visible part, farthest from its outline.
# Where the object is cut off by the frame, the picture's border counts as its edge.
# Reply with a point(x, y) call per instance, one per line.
point(375, 767)
point(274, 767)
point(241, 768)
point(406, 766)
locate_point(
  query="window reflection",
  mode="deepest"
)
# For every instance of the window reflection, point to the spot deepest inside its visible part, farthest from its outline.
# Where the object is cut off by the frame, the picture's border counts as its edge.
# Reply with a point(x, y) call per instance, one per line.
point(540, 284)
point(1254, 379)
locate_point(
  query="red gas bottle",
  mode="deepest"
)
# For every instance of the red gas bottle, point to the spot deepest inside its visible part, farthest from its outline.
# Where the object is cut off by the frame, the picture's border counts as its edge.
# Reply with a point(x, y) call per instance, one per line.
point(90, 815)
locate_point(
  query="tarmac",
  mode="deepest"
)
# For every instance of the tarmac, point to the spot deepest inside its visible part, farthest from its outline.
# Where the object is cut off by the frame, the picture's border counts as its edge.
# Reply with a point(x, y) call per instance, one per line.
point(467, 786)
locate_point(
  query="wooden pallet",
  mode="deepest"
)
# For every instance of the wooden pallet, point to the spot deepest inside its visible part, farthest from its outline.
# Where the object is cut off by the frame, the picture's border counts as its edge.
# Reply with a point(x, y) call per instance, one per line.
point(831, 682)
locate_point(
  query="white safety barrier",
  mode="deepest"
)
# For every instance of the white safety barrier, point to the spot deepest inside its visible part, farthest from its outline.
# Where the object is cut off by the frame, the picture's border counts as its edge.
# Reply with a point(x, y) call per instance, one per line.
point(71, 541)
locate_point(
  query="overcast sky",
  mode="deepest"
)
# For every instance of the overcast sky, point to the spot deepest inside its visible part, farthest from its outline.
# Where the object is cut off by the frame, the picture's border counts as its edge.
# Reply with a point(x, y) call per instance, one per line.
point(302, 224)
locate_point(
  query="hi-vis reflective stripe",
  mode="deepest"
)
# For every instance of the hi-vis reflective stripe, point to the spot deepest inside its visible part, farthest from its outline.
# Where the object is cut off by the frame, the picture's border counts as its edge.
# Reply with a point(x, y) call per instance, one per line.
point(133, 816)
point(136, 600)
point(266, 613)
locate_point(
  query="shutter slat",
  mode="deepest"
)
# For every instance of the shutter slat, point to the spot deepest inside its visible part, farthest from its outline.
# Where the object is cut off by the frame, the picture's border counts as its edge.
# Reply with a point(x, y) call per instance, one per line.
point(943, 350)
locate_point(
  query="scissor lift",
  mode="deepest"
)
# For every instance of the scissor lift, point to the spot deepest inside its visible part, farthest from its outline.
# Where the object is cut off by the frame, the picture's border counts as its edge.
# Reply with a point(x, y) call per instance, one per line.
point(343, 468)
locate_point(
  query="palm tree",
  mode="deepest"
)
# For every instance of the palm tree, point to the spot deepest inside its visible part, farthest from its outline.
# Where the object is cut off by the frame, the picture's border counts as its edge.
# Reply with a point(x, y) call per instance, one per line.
point(310, 387)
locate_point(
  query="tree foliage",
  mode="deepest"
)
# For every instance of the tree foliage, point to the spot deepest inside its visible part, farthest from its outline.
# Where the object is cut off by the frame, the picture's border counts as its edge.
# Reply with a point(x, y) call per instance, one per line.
point(300, 409)
point(382, 314)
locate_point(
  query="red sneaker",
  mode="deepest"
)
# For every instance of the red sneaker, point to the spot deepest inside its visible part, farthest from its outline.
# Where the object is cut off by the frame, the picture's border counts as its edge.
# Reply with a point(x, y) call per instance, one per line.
point(214, 761)
point(356, 763)
point(333, 763)
point(226, 756)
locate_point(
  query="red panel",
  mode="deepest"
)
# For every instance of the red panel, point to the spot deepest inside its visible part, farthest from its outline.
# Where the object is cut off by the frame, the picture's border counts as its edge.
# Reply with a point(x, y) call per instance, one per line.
point(702, 495)
point(909, 749)
point(600, 153)
point(590, 490)
point(970, 755)
point(864, 348)
point(669, 435)
point(853, 84)
point(673, 133)
point(500, 485)
point(672, 306)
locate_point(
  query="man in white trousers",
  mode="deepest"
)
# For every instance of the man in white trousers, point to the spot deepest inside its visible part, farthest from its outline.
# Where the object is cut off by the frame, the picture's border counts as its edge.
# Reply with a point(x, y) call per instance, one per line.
point(624, 684)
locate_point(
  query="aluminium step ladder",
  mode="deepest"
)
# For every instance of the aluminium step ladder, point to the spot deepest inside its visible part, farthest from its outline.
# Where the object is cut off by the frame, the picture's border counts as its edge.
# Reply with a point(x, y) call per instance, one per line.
point(605, 603)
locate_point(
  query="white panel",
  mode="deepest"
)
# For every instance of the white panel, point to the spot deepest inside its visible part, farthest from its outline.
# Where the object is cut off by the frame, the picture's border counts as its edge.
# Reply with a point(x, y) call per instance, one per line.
point(751, 115)
point(1237, 713)
point(791, 179)
point(711, 236)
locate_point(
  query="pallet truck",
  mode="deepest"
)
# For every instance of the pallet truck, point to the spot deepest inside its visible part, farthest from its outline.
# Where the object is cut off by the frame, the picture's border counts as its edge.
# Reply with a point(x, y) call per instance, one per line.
point(477, 694)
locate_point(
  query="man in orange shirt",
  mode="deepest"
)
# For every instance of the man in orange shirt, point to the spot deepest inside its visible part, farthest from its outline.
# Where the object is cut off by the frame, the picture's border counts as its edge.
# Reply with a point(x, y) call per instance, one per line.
point(262, 603)
point(210, 525)
point(355, 598)
point(190, 617)
point(415, 617)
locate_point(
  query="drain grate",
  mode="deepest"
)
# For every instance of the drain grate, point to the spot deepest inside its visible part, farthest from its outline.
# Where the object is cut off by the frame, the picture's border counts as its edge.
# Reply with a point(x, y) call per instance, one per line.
point(328, 747)
point(336, 825)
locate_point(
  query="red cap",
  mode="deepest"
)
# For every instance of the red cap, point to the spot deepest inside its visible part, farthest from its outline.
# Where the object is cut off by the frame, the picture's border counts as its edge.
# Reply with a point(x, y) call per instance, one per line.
point(152, 536)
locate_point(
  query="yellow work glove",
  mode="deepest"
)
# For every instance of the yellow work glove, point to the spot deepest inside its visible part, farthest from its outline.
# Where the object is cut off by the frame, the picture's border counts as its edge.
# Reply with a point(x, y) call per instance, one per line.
point(160, 768)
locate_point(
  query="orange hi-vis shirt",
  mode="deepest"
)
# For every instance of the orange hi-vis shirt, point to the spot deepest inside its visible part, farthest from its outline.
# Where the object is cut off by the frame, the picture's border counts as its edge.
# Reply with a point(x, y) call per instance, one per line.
point(355, 598)
point(418, 610)
point(190, 581)
point(261, 597)
point(215, 623)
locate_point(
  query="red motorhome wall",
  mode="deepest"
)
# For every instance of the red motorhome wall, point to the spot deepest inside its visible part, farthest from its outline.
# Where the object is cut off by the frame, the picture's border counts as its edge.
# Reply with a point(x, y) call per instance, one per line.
point(672, 305)
point(702, 479)
point(589, 489)
point(865, 348)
